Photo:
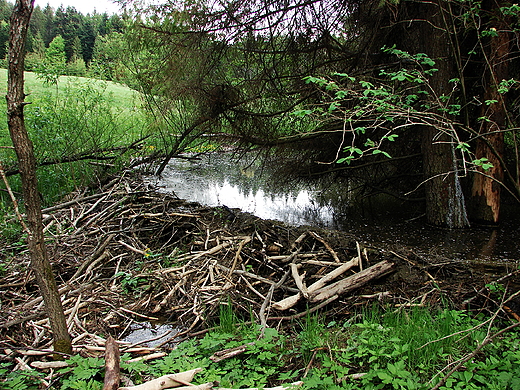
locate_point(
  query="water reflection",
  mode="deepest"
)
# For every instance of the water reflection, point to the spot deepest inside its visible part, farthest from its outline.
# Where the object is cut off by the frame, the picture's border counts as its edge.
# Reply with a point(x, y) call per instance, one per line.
point(248, 185)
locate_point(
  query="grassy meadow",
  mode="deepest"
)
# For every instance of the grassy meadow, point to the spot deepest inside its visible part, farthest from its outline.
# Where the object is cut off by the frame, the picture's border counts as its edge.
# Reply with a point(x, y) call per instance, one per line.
point(123, 100)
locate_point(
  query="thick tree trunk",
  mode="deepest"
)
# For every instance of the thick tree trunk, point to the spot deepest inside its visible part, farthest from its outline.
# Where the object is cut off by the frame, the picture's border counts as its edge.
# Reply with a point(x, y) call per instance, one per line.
point(445, 204)
point(24, 150)
point(486, 186)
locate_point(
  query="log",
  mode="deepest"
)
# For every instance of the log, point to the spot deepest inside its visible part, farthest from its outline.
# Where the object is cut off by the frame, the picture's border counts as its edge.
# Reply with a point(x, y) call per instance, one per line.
point(112, 372)
point(152, 385)
point(230, 352)
point(289, 302)
point(49, 365)
point(282, 387)
point(167, 381)
point(352, 282)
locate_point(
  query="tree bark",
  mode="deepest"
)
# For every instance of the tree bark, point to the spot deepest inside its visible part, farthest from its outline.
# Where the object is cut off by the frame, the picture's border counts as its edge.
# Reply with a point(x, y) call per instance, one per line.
point(485, 206)
point(445, 203)
point(112, 369)
point(24, 150)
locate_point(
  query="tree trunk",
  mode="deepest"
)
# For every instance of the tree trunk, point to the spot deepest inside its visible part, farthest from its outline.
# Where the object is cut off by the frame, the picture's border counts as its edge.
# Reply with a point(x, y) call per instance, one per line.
point(486, 185)
point(24, 150)
point(445, 204)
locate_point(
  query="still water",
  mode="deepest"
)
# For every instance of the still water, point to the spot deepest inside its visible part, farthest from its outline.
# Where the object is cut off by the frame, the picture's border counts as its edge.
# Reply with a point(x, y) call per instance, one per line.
point(249, 185)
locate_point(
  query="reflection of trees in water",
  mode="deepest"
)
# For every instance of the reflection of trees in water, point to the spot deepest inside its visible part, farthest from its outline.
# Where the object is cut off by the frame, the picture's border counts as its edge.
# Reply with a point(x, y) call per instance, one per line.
point(339, 203)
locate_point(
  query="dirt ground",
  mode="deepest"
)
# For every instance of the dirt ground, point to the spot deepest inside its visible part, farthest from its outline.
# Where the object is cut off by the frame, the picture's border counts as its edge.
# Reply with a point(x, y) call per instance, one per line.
point(127, 254)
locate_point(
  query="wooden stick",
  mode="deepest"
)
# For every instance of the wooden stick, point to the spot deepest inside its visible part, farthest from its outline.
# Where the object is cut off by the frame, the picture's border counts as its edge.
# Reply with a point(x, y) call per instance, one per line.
point(165, 384)
point(150, 356)
point(167, 381)
point(359, 256)
point(329, 248)
point(251, 275)
point(230, 352)
point(289, 302)
point(282, 387)
point(49, 365)
point(299, 281)
point(352, 282)
point(13, 199)
point(112, 372)
point(237, 255)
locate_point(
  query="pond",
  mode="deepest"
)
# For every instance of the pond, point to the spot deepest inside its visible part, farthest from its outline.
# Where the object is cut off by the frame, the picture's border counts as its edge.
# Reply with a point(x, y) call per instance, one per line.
point(251, 186)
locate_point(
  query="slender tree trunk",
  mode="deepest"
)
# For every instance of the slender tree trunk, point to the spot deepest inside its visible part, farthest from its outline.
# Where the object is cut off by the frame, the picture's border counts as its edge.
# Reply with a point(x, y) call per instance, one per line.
point(486, 186)
point(24, 150)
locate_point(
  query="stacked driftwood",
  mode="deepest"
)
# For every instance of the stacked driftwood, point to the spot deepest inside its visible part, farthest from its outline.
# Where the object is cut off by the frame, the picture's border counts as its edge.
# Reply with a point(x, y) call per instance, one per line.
point(129, 253)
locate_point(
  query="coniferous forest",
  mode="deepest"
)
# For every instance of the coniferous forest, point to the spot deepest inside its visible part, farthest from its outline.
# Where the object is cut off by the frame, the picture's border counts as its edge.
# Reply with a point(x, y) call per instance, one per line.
point(67, 42)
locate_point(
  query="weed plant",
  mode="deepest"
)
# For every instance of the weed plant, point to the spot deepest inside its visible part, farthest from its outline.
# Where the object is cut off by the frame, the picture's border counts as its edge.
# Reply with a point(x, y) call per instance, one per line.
point(393, 349)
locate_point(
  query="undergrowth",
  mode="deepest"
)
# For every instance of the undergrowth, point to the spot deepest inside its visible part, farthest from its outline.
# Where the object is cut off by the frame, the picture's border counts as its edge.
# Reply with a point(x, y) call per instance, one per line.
point(393, 349)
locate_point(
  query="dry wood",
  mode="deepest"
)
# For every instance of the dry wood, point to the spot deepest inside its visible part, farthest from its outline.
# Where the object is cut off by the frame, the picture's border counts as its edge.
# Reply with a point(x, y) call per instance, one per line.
point(282, 387)
point(167, 381)
point(230, 352)
point(112, 372)
point(299, 280)
point(251, 275)
point(237, 255)
point(289, 302)
point(152, 385)
point(49, 365)
point(92, 258)
point(306, 312)
point(72, 202)
point(145, 358)
point(359, 256)
point(352, 282)
point(326, 245)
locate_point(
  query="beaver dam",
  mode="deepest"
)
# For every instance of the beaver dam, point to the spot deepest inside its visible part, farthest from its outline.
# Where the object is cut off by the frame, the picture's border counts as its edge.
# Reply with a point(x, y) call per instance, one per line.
point(130, 254)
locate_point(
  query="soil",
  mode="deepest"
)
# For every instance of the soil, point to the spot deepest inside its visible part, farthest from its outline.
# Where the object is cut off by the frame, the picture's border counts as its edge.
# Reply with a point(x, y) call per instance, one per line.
point(126, 253)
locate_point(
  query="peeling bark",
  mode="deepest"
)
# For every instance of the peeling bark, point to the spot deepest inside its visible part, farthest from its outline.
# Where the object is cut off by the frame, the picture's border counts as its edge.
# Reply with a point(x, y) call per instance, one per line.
point(486, 190)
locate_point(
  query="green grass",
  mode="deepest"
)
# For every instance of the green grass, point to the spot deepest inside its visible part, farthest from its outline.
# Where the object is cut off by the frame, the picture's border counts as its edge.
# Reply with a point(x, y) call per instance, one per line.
point(123, 97)
point(124, 102)
point(77, 116)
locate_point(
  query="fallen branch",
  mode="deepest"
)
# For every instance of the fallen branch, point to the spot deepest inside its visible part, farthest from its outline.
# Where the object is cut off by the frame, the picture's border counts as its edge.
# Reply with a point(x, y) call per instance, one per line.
point(289, 302)
point(166, 385)
point(112, 373)
point(230, 352)
point(326, 244)
point(172, 380)
point(282, 387)
point(352, 282)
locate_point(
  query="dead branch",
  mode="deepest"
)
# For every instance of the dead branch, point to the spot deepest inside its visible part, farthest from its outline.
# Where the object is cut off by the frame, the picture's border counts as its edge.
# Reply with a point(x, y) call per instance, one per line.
point(353, 282)
point(167, 381)
point(112, 373)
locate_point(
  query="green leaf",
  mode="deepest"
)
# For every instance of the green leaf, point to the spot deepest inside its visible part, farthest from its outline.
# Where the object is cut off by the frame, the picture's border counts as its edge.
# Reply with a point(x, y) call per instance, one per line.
point(302, 113)
point(463, 146)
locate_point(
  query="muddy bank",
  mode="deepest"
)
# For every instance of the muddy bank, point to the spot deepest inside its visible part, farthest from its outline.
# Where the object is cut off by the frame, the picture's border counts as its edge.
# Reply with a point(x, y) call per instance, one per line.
point(128, 254)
